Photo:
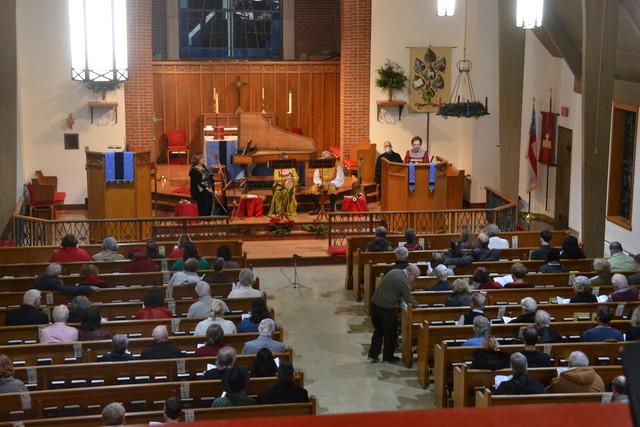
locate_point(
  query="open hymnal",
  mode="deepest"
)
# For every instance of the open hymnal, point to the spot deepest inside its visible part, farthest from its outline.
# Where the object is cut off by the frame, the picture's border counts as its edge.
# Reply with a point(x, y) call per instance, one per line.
point(501, 378)
point(504, 279)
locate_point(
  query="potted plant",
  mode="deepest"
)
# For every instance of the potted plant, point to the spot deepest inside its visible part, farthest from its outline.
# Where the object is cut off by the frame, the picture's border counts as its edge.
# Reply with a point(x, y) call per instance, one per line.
point(103, 87)
point(391, 77)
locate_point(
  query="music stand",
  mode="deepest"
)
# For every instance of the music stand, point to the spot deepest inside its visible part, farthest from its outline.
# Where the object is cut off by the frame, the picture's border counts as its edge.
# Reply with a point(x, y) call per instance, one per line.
point(322, 164)
point(282, 164)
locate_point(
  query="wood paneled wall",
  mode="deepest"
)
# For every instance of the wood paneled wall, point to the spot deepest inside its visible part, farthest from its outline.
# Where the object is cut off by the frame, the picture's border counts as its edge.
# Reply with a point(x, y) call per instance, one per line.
point(183, 92)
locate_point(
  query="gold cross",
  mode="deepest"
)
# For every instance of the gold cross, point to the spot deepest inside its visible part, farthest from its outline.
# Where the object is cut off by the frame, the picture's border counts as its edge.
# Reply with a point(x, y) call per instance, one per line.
point(238, 84)
point(155, 121)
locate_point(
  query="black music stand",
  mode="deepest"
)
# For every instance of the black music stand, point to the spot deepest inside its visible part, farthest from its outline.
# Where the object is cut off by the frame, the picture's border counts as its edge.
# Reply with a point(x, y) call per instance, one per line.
point(322, 164)
point(282, 164)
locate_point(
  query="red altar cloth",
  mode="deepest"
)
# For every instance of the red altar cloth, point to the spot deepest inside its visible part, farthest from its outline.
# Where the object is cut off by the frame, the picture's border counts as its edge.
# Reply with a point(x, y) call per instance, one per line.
point(360, 205)
point(249, 207)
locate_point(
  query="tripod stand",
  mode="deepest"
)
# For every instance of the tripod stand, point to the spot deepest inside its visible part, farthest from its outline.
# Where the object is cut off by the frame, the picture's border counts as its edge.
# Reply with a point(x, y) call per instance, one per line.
point(295, 284)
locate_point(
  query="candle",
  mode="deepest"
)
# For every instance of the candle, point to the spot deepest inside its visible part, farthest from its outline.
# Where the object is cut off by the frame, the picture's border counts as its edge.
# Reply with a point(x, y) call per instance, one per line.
point(468, 107)
point(486, 103)
point(290, 111)
point(263, 93)
point(216, 102)
point(439, 102)
point(458, 99)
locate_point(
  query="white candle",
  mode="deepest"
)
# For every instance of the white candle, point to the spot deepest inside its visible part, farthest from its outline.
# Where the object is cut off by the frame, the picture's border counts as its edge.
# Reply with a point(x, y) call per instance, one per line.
point(263, 93)
point(289, 112)
point(216, 102)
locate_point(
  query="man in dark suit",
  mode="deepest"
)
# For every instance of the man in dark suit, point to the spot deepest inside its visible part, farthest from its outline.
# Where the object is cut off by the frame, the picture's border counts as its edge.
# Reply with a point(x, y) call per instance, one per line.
point(29, 312)
point(162, 347)
point(285, 391)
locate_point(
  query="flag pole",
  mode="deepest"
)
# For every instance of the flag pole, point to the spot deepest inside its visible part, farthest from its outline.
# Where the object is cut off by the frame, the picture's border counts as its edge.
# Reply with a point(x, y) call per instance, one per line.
point(546, 195)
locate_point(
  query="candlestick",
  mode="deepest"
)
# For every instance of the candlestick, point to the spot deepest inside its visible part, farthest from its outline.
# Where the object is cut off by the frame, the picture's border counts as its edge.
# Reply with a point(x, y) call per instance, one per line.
point(290, 111)
point(263, 93)
point(217, 103)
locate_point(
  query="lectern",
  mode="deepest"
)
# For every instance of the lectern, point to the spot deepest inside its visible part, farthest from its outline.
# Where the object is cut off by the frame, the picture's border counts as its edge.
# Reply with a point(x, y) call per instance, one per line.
point(129, 198)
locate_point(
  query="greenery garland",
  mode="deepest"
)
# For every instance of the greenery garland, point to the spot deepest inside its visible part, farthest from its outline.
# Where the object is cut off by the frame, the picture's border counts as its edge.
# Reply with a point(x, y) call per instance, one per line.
point(473, 109)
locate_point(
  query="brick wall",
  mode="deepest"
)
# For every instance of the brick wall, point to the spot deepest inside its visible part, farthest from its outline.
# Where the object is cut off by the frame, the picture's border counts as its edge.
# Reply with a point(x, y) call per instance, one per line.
point(317, 24)
point(138, 92)
point(355, 64)
point(159, 29)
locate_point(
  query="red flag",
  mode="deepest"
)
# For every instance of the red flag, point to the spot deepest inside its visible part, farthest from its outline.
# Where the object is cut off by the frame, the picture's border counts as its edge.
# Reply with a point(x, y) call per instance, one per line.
point(548, 138)
point(531, 155)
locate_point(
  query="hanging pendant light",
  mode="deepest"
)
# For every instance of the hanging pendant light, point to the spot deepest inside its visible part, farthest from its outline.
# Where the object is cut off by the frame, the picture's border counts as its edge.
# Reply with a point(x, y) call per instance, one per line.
point(529, 13)
point(446, 7)
point(98, 40)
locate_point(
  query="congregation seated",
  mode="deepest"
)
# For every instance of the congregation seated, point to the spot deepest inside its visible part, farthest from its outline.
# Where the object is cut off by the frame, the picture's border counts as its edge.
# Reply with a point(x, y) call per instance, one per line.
point(633, 333)
point(520, 382)
point(225, 253)
point(411, 244)
point(69, 251)
point(263, 364)
point(284, 391)
point(552, 259)
point(579, 378)
point(89, 329)
point(119, 352)
point(113, 414)
point(218, 275)
point(402, 253)
point(545, 245)
point(190, 251)
point(479, 254)
point(602, 332)
point(202, 307)
point(243, 288)
point(189, 274)
point(215, 341)
point(78, 307)
point(29, 312)
point(259, 311)
point(634, 279)
point(234, 381)
point(161, 347)
point(495, 241)
point(178, 249)
point(603, 268)
point(477, 309)
point(442, 284)
point(266, 328)
point(460, 296)
point(455, 250)
point(89, 275)
point(619, 390)
point(436, 260)
point(49, 282)
point(489, 356)
point(8, 384)
point(226, 359)
point(622, 291)
point(216, 313)
point(380, 243)
point(172, 411)
point(619, 261)
point(545, 334)
point(140, 262)
point(529, 307)
point(481, 328)
point(482, 280)
point(154, 306)
point(109, 251)
point(59, 331)
point(581, 286)
point(535, 358)
point(467, 238)
point(571, 249)
point(151, 249)
point(518, 272)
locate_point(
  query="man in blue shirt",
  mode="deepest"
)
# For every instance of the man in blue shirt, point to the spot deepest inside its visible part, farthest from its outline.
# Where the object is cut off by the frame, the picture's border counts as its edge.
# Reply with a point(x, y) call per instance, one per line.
point(602, 332)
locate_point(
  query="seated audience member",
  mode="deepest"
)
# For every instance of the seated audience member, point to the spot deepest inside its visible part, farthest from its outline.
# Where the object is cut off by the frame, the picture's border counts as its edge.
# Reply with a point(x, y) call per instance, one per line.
point(535, 358)
point(266, 328)
point(436, 260)
point(226, 359)
point(89, 329)
point(602, 332)
point(59, 331)
point(489, 356)
point(388, 154)
point(622, 290)
point(109, 251)
point(479, 254)
point(581, 286)
point(496, 242)
point(633, 333)
point(244, 289)
point(218, 276)
point(89, 276)
point(78, 307)
point(154, 306)
point(215, 317)
point(284, 391)
point(482, 280)
point(401, 259)
point(477, 309)
point(481, 327)
point(172, 410)
point(411, 244)
point(202, 307)
point(263, 364)
point(162, 347)
point(580, 378)
point(518, 272)
point(542, 324)
point(552, 265)
point(259, 311)
point(113, 414)
point(571, 249)
point(634, 279)
point(225, 253)
point(178, 249)
point(461, 295)
point(29, 312)
point(215, 337)
point(49, 282)
point(190, 251)
point(188, 276)
point(380, 243)
point(442, 284)
point(540, 254)
point(529, 307)
point(234, 381)
point(69, 252)
point(152, 250)
point(8, 384)
point(619, 261)
point(602, 267)
point(467, 239)
point(119, 350)
point(455, 250)
point(619, 389)
point(520, 382)
point(140, 262)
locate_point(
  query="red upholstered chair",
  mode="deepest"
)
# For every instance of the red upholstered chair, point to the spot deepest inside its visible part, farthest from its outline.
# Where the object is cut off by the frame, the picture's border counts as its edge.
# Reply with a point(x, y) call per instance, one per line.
point(43, 192)
point(349, 164)
point(177, 143)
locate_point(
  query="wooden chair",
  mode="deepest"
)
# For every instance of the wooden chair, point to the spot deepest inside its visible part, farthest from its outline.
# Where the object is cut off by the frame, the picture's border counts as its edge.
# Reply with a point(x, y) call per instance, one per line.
point(177, 144)
point(43, 193)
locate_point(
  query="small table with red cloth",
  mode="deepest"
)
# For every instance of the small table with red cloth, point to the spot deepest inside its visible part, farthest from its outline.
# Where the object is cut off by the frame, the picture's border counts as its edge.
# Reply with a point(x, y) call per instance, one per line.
point(249, 207)
point(360, 205)
point(186, 209)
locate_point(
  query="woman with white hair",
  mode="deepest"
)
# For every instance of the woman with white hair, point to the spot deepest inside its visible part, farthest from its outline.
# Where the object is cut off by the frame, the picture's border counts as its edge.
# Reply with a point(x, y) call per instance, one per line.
point(109, 251)
point(244, 289)
point(581, 286)
point(217, 310)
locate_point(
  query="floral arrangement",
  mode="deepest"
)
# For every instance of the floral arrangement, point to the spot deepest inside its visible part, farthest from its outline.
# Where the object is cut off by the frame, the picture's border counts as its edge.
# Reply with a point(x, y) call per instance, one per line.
point(319, 229)
point(279, 225)
point(391, 77)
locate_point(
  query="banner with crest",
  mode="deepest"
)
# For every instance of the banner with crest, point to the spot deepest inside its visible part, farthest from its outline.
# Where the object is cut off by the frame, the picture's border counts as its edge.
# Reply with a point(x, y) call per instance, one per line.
point(429, 78)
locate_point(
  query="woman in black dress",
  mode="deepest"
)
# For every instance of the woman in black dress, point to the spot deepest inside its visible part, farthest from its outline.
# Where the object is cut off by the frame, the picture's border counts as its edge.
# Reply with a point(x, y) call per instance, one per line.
point(201, 186)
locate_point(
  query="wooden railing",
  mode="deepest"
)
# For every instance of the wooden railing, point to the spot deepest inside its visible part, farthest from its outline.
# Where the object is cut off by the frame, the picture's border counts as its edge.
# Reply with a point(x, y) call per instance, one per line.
point(500, 210)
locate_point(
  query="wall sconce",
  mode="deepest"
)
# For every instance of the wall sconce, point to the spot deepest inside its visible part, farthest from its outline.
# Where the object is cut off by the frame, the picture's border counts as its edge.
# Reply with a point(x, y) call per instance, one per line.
point(529, 13)
point(446, 7)
point(98, 40)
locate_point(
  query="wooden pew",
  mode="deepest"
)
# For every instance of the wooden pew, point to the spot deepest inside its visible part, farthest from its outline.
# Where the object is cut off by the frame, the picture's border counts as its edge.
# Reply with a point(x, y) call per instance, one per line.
point(186, 369)
point(413, 317)
point(484, 399)
point(466, 380)
point(201, 393)
point(447, 357)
